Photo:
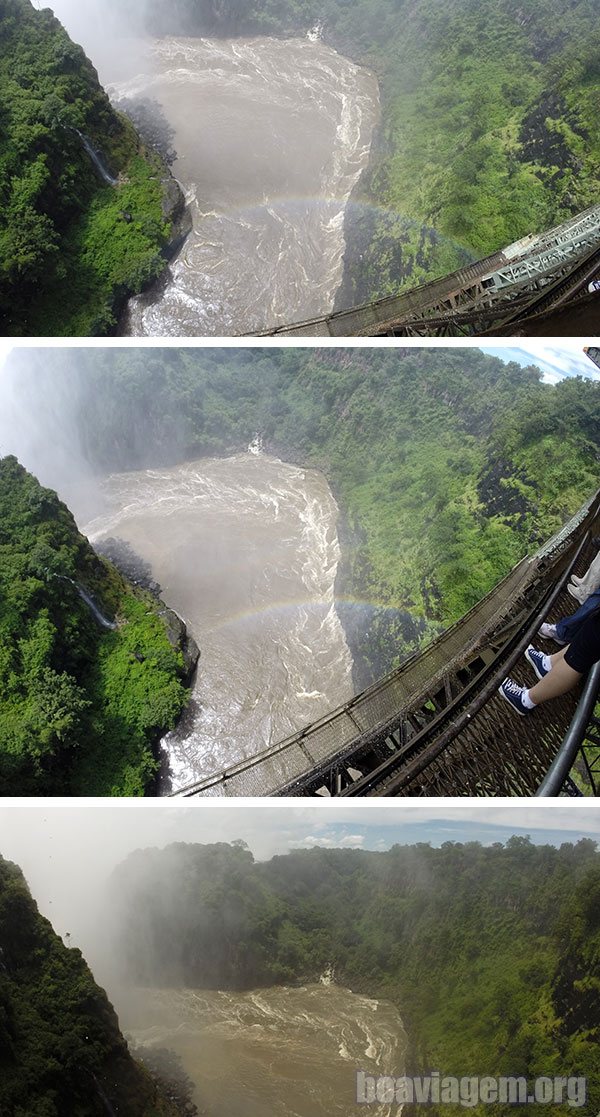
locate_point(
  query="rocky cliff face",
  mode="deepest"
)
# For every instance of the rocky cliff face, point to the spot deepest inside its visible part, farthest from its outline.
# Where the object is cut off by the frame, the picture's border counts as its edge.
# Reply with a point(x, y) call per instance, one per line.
point(175, 213)
point(61, 1050)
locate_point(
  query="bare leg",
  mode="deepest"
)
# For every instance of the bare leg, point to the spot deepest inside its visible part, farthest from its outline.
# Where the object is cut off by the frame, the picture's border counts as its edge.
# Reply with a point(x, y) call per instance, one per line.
point(559, 680)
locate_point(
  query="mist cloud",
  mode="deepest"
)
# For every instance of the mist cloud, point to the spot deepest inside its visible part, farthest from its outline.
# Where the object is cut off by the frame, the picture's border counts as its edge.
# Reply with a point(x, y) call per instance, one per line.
point(68, 852)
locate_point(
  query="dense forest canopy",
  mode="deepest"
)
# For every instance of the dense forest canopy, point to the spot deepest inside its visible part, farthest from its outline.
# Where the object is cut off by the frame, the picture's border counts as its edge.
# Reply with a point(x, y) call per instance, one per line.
point(81, 706)
point(491, 953)
point(61, 1051)
point(489, 132)
point(70, 245)
point(448, 465)
point(490, 118)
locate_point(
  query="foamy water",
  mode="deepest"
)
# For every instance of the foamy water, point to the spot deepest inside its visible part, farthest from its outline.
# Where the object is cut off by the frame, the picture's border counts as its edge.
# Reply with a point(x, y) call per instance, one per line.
point(286, 1052)
point(246, 550)
point(271, 136)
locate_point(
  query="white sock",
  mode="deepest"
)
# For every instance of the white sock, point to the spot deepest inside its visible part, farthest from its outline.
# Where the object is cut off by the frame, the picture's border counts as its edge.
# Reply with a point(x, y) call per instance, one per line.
point(547, 663)
point(526, 700)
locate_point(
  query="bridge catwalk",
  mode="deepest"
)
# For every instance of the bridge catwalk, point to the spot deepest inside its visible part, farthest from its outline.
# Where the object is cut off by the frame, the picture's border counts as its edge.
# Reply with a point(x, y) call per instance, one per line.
point(532, 277)
point(436, 725)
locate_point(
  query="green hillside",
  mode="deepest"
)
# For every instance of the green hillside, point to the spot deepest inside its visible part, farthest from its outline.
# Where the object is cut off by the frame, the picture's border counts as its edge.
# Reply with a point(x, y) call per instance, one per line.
point(81, 705)
point(489, 119)
point(490, 953)
point(71, 247)
point(61, 1051)
point(448, 465)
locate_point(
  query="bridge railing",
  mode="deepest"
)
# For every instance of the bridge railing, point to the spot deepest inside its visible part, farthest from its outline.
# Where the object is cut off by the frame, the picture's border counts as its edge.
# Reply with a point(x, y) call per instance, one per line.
point(382, 310)
point(276, 767)
point(558, 773)
point(378, 313)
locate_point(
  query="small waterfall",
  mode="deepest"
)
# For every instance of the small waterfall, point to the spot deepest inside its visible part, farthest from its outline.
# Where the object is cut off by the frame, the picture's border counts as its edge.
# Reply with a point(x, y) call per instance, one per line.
point(103, 1098)
point(327, 977)
point(94, 155)
point(91, 604)
point(89, 601)
point(97, 160)
point(256, 447)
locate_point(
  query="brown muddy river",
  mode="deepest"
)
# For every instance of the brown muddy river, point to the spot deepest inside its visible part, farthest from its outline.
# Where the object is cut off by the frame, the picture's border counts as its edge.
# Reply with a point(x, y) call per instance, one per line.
point(246, 550)
point(281, 1051)
point(271, 137)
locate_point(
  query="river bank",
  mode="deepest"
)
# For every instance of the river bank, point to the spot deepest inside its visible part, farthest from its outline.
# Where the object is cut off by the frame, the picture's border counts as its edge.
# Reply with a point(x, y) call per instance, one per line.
point(378, 635)
point(90, 214)
point(138, 573)
point(177, 225)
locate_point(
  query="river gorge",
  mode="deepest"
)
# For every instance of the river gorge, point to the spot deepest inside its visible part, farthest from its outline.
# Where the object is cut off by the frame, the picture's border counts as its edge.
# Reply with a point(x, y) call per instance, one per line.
point(288, 1052)
point(246, 550)
point(271, 137)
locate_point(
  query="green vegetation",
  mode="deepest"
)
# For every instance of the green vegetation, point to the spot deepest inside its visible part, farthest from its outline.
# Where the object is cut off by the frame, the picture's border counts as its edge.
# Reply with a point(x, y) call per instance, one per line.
point(491, 954)
point(81, 706)
point(61, 1051)
point(448, 465)
point(71, 247)
point(489, 119)
point(489, 131)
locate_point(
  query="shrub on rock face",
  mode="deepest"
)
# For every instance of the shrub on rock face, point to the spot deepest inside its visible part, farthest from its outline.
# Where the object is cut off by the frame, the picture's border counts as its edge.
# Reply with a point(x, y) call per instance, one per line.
point(81, 704)
point(60, 270)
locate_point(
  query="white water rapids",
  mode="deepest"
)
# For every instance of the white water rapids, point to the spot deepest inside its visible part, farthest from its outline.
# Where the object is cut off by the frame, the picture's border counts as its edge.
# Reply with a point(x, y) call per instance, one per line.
point(246, 550)
point(271, 136)
point(286, 1052)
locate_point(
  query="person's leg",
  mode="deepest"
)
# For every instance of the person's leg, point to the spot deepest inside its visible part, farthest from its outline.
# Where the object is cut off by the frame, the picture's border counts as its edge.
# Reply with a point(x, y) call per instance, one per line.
point(560, 679)
point(566, 669)
point(591, 579)
point(566, 629)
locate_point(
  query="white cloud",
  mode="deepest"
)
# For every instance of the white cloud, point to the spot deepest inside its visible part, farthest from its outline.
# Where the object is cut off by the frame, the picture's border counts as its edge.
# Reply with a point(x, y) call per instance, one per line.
point(556, 360)
point(330, 841)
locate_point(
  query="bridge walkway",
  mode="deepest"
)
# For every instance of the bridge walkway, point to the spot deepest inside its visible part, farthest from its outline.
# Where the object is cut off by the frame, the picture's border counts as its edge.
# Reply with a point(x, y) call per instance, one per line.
point(476, 298)
point(436, 725)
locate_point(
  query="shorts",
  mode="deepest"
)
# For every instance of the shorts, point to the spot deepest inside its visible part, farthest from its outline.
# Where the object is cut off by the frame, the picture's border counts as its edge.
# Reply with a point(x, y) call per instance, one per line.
point(584, 650)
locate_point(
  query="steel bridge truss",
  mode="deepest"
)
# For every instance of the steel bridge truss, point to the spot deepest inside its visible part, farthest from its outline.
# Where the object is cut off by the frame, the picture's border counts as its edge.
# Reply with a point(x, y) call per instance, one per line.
point(481, 297)
point(437, 725)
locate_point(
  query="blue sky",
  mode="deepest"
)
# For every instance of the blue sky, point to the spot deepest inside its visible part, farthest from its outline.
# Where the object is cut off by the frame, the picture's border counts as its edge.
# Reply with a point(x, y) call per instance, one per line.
point(556, 357)
point(67, 851)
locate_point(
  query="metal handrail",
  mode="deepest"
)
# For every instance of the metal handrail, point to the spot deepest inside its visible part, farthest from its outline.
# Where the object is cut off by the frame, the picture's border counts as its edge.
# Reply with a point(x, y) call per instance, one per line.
point(531, 567)
point(558, 772)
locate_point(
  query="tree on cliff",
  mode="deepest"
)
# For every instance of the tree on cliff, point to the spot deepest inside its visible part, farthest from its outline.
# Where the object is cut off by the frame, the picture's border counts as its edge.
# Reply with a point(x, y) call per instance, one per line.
point(61, 1051)
point(81, 707)
point(59, 270)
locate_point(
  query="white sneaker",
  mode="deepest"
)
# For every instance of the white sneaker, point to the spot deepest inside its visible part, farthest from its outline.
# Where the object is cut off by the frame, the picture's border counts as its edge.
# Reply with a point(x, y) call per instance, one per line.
point(576, 593)
point(548, 631)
